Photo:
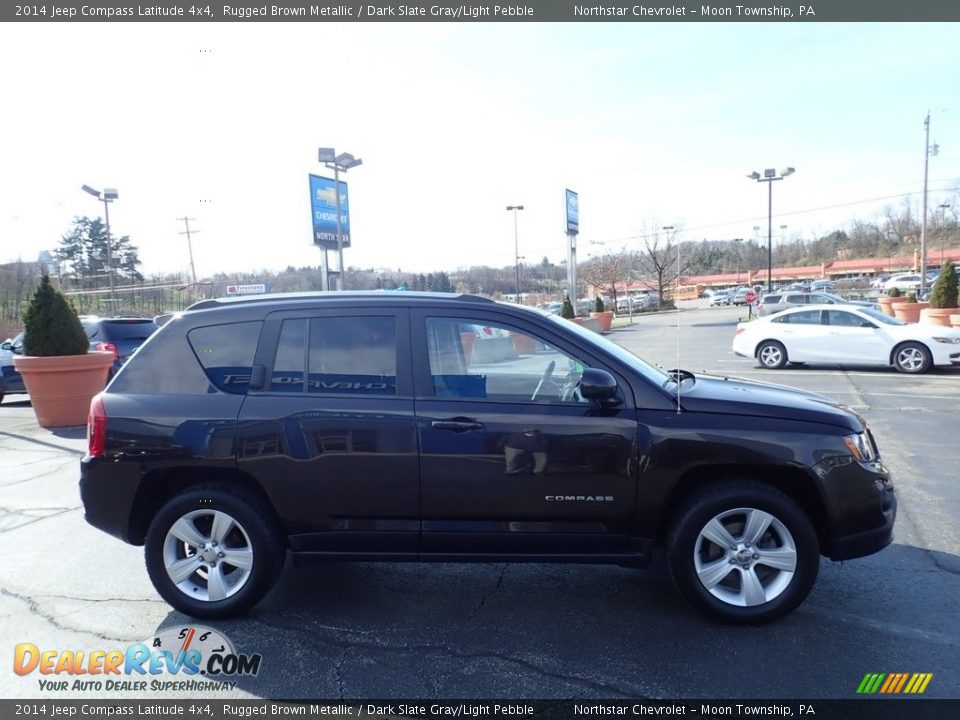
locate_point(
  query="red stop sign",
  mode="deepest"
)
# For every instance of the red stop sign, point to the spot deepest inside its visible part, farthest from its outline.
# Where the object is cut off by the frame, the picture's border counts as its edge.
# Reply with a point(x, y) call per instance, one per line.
point(750, 296)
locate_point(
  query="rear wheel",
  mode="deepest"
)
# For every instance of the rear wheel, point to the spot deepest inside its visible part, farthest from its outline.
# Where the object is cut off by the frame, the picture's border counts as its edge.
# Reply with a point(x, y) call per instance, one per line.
point(743, 553)
point(771, 354)
point(912, 358)
point(211, 553)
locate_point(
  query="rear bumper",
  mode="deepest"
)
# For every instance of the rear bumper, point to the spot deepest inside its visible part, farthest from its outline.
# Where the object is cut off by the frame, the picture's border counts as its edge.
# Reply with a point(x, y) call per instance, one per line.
point(108, 491)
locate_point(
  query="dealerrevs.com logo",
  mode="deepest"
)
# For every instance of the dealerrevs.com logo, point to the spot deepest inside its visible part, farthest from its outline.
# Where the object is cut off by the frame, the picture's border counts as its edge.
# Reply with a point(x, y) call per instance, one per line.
point(175, 659)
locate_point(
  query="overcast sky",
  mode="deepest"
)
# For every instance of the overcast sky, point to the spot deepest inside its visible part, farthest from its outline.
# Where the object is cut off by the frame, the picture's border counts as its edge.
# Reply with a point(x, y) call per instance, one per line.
point(652, 124)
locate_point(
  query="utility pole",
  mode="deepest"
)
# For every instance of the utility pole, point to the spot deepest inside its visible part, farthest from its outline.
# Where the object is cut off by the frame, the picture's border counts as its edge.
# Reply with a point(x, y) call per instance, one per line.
point(193, 270)
point(928, 151)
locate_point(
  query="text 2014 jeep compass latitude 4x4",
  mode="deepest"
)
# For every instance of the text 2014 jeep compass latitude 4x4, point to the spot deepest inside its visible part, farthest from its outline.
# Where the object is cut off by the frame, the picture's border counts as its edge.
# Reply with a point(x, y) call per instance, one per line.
point(406, 426)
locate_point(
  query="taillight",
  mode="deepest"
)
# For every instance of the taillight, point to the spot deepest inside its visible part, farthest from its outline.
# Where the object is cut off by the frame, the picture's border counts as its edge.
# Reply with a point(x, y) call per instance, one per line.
point(109, 347)
point(96, 428)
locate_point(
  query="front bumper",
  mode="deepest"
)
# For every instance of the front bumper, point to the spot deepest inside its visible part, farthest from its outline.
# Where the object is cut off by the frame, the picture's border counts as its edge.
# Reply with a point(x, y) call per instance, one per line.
point(861, 506)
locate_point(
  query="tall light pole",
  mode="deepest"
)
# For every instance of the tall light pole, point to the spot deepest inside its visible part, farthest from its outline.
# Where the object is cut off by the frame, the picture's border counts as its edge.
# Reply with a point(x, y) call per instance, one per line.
point(770, 176)
point(516, 246)
point(107, 196)
point(338, 163)
point(928, 151)
point(943, 227)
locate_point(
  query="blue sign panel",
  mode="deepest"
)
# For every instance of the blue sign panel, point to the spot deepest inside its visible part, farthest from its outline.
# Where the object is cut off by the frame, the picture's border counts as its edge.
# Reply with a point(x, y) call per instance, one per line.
point(323, 208)
point(573, 213)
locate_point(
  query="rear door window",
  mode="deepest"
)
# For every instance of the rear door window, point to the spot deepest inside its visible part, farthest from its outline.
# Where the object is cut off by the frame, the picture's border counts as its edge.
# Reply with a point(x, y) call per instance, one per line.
point(807, 317)
point(352, 356)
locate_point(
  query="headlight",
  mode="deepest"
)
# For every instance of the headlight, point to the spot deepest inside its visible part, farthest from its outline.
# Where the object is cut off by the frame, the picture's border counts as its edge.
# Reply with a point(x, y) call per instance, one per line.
point(950, 340)
point(860, 447)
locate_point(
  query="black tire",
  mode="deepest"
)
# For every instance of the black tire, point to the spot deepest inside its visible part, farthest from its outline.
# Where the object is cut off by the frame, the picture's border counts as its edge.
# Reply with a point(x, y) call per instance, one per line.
point(745, 589)
point(252, 539)
point(772, 355)
point(912, 358)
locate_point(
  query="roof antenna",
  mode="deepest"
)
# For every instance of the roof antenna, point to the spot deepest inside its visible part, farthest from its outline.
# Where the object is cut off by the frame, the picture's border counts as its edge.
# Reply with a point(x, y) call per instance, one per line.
point(676, 302)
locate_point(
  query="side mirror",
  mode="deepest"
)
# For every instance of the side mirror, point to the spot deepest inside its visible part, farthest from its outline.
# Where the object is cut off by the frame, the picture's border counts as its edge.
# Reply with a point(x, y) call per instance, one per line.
point(596, 384)
point(6, 346)
point(867, 324)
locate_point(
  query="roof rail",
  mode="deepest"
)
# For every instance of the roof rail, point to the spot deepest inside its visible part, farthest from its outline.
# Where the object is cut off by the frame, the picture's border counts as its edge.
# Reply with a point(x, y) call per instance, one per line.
point(333, 295)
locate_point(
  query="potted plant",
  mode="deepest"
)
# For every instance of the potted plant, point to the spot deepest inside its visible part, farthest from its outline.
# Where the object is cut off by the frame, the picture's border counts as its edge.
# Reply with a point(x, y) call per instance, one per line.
point(602, 315)
point(943, 298)
point(568, 312)
point(59, 371)
point(908, 309)
point(886, 301)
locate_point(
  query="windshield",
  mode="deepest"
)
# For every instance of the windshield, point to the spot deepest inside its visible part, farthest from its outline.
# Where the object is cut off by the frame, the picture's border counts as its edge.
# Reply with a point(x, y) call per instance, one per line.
point(648, 371)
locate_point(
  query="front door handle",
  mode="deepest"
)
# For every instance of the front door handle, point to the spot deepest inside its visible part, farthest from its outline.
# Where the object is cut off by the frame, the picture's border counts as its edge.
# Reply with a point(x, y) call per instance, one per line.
point(457, 425)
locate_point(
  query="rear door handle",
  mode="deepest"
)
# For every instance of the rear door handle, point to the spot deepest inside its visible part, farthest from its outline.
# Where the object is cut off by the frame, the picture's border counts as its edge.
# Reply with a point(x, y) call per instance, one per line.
point(457, 425)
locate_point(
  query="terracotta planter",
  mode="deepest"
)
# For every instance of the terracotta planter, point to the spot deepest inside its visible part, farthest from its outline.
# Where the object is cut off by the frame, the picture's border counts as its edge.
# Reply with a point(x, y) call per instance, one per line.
point(937, 316)
point(908, 311)
point(578, 320)
point(886, 303)
point(523, 344)
point(61, 388)
point(605, 318)
point(955, 320)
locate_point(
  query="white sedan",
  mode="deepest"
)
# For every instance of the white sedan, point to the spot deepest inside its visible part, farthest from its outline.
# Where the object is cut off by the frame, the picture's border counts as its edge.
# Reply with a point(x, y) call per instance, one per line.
point(846, 335)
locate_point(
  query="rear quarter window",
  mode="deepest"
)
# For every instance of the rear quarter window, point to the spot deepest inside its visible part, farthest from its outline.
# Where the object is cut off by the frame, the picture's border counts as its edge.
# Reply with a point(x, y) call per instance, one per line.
point(226, 353)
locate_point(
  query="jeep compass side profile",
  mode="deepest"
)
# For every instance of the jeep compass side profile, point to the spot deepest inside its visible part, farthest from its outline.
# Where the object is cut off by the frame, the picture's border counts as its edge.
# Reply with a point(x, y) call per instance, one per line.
point(417, 426)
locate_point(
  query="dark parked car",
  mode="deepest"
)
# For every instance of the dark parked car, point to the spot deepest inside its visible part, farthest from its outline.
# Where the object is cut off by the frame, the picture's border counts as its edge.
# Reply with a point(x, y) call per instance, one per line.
point(119, 335)
point(11, 381)
point(366, 426)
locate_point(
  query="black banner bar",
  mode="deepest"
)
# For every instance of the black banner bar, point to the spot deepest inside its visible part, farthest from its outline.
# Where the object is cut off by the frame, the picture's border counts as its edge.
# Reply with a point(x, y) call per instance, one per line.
point(872, 708)
point(449, 11)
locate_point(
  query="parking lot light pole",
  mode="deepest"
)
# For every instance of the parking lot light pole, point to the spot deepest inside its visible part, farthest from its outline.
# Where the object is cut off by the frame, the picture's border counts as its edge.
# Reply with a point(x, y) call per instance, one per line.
point(107, 197)
point(338, 163)
point(769, 177)
point(516, 248)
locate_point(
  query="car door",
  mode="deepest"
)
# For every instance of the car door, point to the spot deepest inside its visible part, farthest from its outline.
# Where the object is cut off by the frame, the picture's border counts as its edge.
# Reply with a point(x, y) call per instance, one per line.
point(854, 339)
point(803, 336)
point(511, 458)
point(328, 429)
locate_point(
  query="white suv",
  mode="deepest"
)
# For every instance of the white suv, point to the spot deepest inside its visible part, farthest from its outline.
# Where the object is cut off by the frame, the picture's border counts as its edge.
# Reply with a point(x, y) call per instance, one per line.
point(907, 282)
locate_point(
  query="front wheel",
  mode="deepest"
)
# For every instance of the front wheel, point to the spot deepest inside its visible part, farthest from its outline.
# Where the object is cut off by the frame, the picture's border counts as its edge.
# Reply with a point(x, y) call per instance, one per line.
point(743, 553)
point(912, 358)
point(211, 553)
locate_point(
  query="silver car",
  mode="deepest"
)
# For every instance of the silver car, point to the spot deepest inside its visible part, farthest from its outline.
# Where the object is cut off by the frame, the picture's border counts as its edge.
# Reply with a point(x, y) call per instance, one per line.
point(776, 302)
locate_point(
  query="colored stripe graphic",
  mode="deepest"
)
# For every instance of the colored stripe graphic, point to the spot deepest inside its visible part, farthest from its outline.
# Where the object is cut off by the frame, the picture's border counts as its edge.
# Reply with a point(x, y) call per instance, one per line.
point(894, 683)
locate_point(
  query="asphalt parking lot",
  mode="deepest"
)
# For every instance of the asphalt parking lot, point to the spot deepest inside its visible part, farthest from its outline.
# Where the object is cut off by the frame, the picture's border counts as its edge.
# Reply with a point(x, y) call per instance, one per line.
point(523, 631)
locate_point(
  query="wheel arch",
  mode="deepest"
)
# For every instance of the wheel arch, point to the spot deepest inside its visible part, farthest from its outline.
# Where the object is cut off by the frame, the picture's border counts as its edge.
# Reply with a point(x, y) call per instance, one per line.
point(159, 486)
point(760, 343)
point(794, 482)
point(896, 348)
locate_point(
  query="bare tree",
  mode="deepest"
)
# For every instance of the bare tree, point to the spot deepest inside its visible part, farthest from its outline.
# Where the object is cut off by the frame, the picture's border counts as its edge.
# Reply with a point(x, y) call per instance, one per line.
point(658, 259)
point(606, 272)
